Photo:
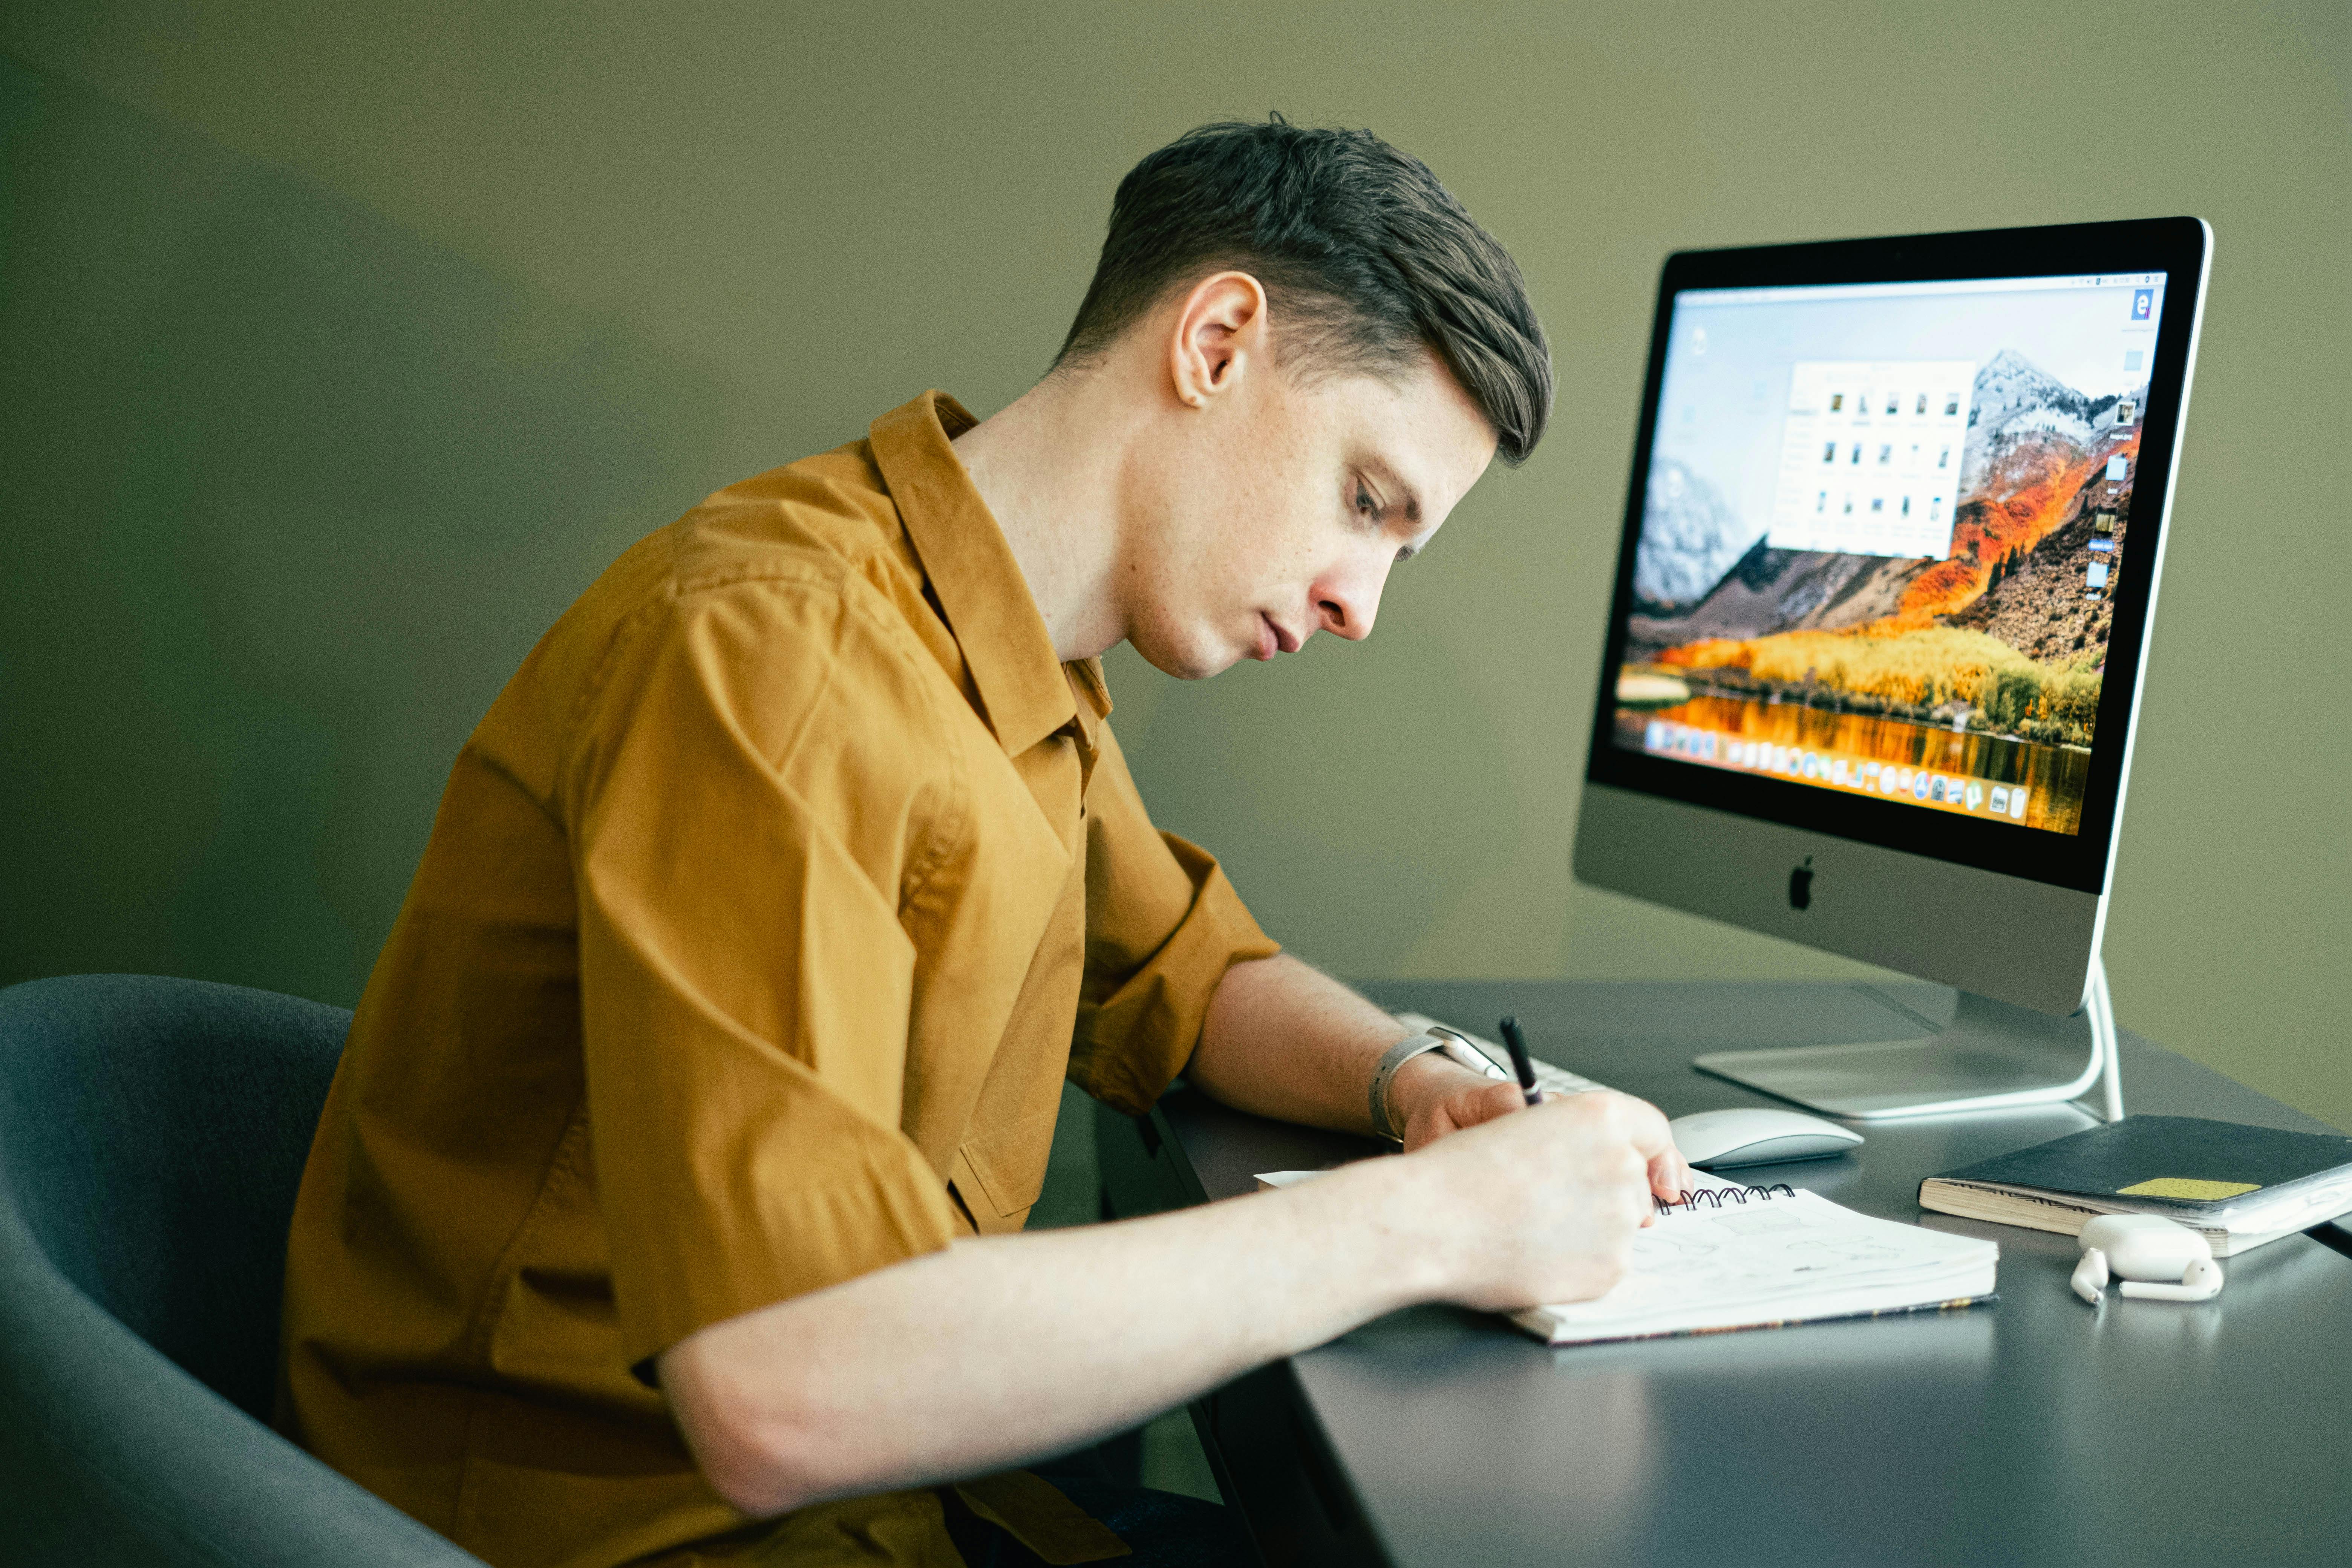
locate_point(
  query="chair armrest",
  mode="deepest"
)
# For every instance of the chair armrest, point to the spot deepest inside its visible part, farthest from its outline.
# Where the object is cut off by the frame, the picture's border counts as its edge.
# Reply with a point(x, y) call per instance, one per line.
point(111, 1454)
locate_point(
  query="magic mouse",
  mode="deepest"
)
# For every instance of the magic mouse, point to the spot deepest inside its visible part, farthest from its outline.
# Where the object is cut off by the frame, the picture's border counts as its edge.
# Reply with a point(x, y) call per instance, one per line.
point(1756, 1136)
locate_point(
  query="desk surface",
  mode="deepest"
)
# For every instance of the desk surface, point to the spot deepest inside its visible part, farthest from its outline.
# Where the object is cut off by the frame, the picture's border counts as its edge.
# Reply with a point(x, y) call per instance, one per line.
point(2037, 1430)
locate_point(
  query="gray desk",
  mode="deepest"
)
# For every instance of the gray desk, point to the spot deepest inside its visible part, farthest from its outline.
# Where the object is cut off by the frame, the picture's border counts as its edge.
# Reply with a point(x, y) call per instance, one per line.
point(2033, 1431)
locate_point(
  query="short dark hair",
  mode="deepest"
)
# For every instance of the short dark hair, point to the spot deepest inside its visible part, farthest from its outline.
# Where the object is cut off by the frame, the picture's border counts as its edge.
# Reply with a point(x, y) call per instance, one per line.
point(1367, 259)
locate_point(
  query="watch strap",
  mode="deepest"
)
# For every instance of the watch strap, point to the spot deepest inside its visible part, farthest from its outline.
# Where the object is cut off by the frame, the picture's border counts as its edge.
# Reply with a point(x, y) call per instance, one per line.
point(1435, 1038)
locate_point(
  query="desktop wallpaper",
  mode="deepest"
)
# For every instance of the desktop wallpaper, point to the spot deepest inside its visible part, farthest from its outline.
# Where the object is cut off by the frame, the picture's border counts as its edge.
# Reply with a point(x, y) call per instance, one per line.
point(1881, 539)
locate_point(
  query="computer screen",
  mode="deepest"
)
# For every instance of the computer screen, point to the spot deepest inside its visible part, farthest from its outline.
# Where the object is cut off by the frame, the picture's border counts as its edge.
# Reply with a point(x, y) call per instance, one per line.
point(1882, 533)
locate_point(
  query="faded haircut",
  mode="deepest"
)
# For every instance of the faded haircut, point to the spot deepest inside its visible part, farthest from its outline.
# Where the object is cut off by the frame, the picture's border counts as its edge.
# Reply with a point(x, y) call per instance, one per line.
point(1366, 260)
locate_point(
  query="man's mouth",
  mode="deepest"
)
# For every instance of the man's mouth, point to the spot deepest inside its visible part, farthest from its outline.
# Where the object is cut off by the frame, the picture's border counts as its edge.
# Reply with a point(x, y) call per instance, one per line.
point(1272, 638)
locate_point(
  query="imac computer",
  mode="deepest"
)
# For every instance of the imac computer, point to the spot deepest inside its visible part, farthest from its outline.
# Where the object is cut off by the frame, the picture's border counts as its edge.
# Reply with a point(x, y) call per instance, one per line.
point(1898, 515)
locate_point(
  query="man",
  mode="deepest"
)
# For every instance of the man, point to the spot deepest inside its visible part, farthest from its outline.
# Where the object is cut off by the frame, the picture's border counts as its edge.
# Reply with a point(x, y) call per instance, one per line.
point(667, 1204)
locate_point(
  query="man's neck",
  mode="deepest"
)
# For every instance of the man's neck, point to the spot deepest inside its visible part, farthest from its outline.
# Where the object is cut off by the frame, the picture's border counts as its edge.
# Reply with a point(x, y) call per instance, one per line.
point(1047, 465)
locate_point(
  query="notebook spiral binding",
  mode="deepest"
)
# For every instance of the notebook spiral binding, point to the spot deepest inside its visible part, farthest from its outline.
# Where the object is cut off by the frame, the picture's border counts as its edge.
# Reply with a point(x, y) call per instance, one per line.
point(1715, 1197)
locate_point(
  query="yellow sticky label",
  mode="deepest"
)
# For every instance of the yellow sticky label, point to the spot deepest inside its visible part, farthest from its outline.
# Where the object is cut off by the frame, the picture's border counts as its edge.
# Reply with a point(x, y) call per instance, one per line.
point(2184, 1187)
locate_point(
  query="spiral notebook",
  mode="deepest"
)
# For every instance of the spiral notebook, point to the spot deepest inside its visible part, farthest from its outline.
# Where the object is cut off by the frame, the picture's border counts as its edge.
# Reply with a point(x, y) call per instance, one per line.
point(1733, 1257)
point(1730, 1256)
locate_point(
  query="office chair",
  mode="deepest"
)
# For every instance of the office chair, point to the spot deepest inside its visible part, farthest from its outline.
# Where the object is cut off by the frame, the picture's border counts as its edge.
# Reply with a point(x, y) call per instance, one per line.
point(151, 1136)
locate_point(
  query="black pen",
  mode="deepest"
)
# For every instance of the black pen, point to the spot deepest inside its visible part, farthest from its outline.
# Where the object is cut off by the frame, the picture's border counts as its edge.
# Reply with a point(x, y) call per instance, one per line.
point(1520, 1063)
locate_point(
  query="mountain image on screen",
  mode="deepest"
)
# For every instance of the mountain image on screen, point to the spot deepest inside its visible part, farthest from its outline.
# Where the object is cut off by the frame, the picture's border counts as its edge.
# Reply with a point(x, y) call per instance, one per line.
point(1989, 661)
point(1690, 537)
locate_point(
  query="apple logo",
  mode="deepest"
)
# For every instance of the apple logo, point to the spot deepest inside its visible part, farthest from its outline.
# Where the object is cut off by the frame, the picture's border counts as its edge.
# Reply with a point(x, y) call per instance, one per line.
point(1800, 885)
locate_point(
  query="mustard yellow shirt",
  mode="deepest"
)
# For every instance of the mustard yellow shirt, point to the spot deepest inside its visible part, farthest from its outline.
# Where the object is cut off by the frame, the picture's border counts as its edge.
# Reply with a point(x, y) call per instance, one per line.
point(761, 918)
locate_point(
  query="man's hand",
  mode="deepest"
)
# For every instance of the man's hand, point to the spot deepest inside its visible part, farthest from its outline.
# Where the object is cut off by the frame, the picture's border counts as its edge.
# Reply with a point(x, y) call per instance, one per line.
point(1496, 1203)
point(1535, 1203)
point(1434, 1094)
point(1286, 1041)
point(1431, 1096)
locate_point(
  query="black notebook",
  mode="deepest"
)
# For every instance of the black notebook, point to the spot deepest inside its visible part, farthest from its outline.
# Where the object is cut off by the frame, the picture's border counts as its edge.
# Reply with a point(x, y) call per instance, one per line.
point(2239, 1185)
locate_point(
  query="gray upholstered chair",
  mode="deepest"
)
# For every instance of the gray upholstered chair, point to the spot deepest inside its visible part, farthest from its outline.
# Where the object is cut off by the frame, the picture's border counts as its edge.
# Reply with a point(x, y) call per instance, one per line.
point(152, 1135)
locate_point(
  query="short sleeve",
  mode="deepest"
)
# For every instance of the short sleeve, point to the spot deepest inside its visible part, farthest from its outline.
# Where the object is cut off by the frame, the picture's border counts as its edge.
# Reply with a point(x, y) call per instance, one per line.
point(1164, 924)
point(742, 814)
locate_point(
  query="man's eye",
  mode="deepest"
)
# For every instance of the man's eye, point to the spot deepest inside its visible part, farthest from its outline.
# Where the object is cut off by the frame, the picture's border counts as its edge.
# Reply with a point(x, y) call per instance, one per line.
point(1364, 503)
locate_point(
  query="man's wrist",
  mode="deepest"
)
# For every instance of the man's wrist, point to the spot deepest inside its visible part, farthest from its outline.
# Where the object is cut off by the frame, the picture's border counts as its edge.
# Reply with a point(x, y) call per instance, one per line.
point(1388, 1120)
point(1396, 1057)
point(1425, 1080)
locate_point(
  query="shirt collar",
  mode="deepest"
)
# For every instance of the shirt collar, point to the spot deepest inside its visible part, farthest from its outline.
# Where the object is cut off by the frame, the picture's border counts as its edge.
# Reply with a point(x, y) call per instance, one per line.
point(1024, 689)
point(1094, 700)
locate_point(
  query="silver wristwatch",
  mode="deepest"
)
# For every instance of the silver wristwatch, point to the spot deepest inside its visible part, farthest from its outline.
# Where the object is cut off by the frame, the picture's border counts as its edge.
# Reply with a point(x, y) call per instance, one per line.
point(1437, 1037)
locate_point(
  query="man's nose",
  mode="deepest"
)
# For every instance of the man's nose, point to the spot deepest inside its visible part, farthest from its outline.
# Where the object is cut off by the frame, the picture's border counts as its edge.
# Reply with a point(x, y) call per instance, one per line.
point(1347, 603)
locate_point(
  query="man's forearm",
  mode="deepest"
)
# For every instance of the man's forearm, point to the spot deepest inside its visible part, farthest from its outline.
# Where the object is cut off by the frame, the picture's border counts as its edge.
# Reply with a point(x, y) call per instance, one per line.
point(1284, 1039)
point(999, 1351)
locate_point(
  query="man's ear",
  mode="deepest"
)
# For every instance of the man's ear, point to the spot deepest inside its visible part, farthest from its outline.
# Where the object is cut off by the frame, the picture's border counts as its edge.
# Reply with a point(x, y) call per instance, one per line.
point(1220, 335)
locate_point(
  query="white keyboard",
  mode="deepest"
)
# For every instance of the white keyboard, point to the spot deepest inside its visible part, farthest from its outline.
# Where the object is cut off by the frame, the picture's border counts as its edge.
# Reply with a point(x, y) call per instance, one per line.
point(1550, 1080)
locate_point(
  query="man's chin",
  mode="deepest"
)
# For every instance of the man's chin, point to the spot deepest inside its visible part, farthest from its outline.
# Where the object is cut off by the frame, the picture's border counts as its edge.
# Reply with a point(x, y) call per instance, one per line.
point(1196, 661)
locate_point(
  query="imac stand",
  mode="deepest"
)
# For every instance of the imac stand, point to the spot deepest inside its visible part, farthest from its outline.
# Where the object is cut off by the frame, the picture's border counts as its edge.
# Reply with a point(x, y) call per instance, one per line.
point(1992, 1055)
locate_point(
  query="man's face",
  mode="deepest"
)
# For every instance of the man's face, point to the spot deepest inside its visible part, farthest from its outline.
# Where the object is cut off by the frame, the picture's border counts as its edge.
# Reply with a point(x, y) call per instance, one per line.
point(1279, 508)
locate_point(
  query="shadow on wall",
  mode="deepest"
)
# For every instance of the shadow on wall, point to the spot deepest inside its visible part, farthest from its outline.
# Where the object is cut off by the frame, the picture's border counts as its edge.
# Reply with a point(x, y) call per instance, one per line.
point(289, 493)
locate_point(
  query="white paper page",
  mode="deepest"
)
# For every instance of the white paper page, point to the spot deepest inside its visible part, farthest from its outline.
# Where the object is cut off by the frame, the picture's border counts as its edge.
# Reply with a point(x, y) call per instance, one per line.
point(1774, 1252)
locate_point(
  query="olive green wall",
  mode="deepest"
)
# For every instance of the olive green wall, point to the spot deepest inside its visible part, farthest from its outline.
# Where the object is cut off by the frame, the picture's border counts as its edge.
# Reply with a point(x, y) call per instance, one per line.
point(344, 345)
